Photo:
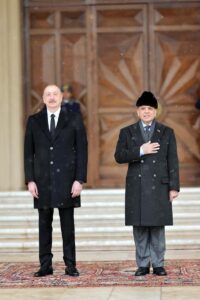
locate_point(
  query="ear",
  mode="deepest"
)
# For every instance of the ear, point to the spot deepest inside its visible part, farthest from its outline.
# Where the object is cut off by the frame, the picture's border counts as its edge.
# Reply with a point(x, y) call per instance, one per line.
point(137, 111)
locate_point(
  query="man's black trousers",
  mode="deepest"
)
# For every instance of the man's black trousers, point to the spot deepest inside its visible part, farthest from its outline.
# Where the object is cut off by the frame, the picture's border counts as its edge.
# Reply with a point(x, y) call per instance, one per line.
point(45, 236)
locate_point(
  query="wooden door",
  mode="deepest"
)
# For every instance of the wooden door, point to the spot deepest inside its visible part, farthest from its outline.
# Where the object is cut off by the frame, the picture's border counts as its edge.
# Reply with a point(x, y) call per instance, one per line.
point(111, 53)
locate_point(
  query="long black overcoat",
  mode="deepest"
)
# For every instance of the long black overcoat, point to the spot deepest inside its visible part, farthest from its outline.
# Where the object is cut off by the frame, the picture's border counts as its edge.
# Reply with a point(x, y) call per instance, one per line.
point(150, 177)
point(54, 164)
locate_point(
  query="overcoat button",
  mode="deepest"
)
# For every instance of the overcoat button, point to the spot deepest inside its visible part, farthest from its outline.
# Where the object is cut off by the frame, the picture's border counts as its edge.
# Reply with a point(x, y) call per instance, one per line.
point(139, 175)
point(51, 162)
point(154, 175)
point(154, 161)
point(142, 161)
point(51, 148)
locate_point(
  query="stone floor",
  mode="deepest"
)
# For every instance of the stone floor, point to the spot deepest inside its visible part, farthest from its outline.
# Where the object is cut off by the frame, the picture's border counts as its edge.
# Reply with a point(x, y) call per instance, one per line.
point(105, 293)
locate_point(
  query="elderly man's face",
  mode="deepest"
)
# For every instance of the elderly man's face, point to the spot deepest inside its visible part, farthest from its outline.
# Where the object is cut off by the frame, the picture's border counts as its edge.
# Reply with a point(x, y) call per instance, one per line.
point(146, 113)
point(52, 97)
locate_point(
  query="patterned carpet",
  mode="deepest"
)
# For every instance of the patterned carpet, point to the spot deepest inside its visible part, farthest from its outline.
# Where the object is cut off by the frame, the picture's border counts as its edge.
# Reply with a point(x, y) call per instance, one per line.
point(99, 274)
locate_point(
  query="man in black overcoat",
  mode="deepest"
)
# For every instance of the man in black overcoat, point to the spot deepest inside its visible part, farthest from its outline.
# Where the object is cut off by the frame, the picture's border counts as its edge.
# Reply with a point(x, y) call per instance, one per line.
point(152, 182)
point(55, 161)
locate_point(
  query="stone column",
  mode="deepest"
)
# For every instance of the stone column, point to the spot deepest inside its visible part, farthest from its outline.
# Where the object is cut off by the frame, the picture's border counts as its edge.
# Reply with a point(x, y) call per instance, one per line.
point(11, 101)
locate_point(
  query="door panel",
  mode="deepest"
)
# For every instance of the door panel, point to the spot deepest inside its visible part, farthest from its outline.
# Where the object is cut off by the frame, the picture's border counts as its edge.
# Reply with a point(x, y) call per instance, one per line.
point(42, 57)
point(73, 58)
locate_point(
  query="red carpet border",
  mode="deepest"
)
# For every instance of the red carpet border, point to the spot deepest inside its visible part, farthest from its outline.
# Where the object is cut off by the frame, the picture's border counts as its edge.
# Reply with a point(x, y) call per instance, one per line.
point(99, 274)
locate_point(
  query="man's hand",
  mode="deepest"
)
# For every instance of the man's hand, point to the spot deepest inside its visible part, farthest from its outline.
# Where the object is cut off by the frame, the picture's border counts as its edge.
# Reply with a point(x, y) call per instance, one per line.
point(76, 189)
point(32, 187)
point(172, 195)
point(149, 148)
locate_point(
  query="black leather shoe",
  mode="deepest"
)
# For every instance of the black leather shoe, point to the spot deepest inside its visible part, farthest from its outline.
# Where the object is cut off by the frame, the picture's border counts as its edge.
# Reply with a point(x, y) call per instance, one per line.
point(71, 271)
point(141, 271)
point(160, 271)
point(43, 272)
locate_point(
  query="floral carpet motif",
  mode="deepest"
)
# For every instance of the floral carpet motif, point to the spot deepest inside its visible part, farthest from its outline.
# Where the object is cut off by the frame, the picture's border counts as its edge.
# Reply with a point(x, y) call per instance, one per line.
point(99, 274)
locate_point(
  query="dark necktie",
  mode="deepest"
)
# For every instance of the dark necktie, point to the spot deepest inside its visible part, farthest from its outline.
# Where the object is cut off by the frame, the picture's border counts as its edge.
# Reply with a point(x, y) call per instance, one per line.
point(147, 132)
point(52, 125)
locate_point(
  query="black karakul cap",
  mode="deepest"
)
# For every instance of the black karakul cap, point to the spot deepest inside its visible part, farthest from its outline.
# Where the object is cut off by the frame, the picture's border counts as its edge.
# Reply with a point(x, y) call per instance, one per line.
point(148, 99)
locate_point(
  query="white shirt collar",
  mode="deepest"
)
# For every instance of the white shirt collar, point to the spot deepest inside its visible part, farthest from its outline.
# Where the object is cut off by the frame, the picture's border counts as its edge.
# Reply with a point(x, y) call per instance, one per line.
point(56, 113)
point(144, 125)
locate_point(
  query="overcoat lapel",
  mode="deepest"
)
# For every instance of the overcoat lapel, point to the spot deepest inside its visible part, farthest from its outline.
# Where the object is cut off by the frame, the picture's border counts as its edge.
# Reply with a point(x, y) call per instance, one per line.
point(136, 134)
point(43, 122)
point(158, 132)
point(62, 120)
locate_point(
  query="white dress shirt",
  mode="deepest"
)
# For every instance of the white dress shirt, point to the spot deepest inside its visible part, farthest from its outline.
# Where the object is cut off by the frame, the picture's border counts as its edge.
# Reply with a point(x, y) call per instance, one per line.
point(56, 114)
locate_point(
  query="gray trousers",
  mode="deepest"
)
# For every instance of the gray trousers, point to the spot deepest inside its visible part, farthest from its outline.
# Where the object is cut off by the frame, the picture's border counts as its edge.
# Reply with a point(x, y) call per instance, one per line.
point(150, 245)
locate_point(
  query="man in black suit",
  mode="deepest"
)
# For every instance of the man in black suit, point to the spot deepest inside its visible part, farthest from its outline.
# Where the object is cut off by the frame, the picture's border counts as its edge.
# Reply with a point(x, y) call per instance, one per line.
point(152, 183)
point(55, 161)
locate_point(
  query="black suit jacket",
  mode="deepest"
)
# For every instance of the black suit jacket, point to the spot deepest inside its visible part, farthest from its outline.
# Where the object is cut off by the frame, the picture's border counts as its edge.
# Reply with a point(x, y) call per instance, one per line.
point(54, 164)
